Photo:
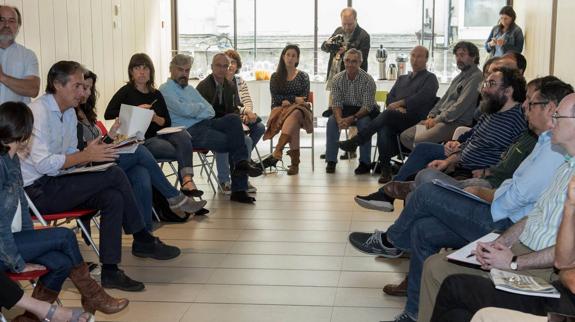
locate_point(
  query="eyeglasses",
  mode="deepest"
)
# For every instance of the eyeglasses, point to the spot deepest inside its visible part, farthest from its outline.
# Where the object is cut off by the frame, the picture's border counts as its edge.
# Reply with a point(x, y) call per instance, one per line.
point(8, 21)
point(531, 104)
point(491, 83)
point(351, 61)
point(555, 117)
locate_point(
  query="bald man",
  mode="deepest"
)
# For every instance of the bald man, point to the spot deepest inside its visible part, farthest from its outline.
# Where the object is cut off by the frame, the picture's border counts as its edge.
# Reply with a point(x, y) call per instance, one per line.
point(352, 36)
point(410, 99)
point(19, 80)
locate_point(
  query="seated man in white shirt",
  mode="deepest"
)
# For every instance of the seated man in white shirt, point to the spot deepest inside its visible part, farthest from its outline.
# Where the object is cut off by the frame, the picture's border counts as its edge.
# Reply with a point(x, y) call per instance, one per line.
point(53, 148)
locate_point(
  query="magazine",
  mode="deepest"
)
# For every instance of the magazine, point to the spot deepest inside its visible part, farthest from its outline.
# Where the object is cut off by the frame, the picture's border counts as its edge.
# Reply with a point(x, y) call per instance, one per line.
point(95, 168)
point(522, 284)
point(134, 120)
point(458, 190)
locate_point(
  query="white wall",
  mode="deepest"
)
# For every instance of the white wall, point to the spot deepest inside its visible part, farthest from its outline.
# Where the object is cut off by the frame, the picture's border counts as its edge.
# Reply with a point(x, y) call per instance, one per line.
point(563, 65)
point(101, 34)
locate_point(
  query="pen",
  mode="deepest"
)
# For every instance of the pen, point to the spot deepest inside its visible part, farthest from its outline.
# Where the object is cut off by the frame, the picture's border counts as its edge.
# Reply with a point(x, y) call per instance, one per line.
point(154, 101)
point(470, 255)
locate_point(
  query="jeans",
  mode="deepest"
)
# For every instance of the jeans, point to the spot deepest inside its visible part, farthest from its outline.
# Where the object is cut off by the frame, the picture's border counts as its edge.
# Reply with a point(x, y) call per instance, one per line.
point(56, 248)
point(332, 139)
point(176, 146)
point(422, 154)
point(432, 219)
point(222, 159)
point(108, 191)
point(143, 172)
point(225, 135)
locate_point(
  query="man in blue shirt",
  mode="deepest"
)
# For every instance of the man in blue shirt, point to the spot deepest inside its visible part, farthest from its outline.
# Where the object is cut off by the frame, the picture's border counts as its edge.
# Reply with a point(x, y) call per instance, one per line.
point(435, 218)
point(224, 134)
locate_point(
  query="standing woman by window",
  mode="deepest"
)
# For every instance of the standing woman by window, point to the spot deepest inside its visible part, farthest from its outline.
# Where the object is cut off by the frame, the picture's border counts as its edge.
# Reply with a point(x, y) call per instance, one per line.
point(289, 88)
point(505, 36)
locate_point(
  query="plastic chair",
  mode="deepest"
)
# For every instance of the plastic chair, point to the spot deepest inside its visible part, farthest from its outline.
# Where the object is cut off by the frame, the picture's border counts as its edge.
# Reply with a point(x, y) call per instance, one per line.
point(67, 217)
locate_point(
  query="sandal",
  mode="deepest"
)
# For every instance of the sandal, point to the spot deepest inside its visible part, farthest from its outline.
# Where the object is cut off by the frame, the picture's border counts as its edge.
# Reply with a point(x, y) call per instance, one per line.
point(76, 314)
point(191, 193)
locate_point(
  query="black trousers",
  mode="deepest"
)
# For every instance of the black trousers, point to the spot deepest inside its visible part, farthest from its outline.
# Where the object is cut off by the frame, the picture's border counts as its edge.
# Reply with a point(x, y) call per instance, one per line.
point(388, 124)
point(108, 191)
point(11, 292)
point(461, 296)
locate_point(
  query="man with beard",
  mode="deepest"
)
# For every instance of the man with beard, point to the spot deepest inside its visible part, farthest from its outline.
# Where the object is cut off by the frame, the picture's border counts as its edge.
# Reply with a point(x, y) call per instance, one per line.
point(224, 134)
point(501, 123)
point(19, 79)
point(434, 217)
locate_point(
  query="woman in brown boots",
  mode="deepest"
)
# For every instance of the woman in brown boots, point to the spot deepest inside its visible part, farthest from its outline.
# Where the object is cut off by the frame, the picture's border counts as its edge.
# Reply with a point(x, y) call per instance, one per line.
point(290, 112)
point(24, 249)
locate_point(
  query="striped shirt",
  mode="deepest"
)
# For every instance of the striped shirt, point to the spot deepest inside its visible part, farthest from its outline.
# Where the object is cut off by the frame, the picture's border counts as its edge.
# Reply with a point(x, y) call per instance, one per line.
point(243, 95)
point(543, 221)
point(357, 92)
point(491, 137)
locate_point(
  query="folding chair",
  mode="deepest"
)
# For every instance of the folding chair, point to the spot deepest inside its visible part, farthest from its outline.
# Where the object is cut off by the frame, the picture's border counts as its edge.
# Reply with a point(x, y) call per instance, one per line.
point(30, 277)
point(67, 217)
point(207, 165)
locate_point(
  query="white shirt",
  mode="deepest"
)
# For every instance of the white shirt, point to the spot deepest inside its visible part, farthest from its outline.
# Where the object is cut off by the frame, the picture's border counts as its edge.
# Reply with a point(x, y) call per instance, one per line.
point(19, 62)
point(17, 221)
point(54, 136)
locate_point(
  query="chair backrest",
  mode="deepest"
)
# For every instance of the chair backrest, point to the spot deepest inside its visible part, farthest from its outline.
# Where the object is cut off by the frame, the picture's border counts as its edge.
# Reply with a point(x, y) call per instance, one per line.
point(381, 96)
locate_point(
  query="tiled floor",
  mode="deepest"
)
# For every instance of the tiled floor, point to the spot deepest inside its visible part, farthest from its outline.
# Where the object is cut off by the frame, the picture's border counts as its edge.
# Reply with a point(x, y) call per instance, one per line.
point(286, 258)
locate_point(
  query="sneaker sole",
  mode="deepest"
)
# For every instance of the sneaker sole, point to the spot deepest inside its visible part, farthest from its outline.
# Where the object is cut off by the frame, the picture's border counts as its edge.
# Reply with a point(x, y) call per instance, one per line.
point(125, 289)
point(374, 204)
point(146, 255)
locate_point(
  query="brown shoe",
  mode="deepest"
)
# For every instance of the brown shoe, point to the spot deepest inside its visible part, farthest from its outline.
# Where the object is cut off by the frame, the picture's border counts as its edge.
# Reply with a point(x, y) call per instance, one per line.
point(93, 295)
point(399, 189)
point(396, 289)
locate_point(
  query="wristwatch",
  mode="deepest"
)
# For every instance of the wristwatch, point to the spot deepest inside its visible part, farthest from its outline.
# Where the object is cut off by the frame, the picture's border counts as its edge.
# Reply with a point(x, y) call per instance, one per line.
point(513, 264)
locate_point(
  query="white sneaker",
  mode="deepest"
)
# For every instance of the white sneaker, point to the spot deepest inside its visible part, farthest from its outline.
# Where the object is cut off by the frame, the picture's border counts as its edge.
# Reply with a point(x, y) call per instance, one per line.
point(251, 188)
point(226, 188)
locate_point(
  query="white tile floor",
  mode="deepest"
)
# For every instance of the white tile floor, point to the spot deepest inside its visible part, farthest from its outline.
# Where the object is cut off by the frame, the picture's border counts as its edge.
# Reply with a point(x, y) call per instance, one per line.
point(286, 258)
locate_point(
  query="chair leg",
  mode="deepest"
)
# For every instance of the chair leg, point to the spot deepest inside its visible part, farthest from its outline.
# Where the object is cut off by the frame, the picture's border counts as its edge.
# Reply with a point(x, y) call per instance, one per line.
point(85, 231)
point(175, 173)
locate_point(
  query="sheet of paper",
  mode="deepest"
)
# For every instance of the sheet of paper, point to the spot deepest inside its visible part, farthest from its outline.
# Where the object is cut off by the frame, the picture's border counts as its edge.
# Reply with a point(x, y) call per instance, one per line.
point(420, 128)
point(169, 130)
point(134, 121)
point(464, 253)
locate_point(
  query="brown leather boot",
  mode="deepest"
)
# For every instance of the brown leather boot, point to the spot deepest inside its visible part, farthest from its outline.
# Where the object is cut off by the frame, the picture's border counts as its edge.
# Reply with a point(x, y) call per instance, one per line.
point(41, 293)
point(294, 167)
point(283, 140)
point(93, 295)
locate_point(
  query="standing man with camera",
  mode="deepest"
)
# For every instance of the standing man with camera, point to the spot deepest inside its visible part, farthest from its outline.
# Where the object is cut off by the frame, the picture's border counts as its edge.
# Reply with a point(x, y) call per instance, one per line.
point(348, 35)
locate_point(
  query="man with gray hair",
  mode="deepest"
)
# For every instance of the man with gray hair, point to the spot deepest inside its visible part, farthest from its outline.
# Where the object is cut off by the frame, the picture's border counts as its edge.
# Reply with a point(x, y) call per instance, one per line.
point(223, 134)
point(19, 80)
point(353, 103)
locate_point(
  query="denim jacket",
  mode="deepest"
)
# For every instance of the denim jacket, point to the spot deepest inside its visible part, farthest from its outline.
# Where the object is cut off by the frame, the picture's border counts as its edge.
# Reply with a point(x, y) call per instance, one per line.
point(11, 191)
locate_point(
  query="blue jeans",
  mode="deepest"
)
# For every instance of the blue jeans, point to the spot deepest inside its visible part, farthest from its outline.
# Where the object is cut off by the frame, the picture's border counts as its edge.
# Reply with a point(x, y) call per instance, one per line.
point(222, 159)
point(332, 139)
point(432, 219)
point(55, 248)
point(175, 146)
point(422, 154)
point(143, 172)
point(225, 135)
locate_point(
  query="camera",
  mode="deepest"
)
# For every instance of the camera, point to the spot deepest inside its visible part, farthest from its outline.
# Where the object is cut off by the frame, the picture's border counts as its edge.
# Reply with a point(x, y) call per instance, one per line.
point(335, 43)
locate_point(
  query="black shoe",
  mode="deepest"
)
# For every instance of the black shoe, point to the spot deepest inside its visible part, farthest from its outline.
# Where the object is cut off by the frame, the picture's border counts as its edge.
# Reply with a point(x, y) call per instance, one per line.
point(119, 280)
point(242, 196)
point(375, 201)
point(386, 175)
point(270, 161)
point(322, 156)
point(349, 145)
point(156, 250)
point(330, 168)
point(362, 168)
point(327, 113)
point(192, 193)
point(243, 167)
point(201, 212)
point(348, 156)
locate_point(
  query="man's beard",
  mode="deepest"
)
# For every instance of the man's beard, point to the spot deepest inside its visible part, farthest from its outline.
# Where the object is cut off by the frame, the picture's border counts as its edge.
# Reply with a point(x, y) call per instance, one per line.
point(183, 81)
point(491, 104)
